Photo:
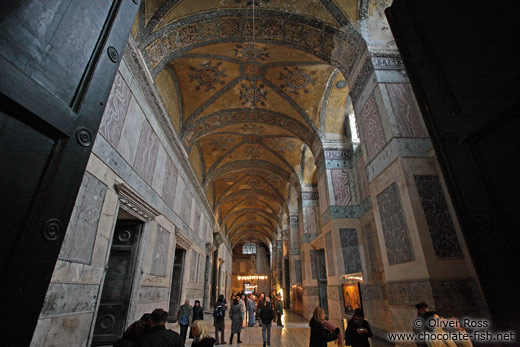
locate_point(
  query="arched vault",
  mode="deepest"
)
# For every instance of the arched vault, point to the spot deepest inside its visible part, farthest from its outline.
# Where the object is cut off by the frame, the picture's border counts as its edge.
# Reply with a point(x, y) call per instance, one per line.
point(246, 99)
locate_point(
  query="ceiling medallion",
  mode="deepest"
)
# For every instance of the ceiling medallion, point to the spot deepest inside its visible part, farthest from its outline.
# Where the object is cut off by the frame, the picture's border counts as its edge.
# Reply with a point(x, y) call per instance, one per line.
point(251, 96)
point(296, 79)
point(208, 75)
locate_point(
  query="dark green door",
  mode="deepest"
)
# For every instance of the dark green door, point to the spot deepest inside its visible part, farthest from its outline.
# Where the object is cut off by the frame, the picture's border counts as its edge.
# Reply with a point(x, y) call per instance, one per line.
point(58, 60)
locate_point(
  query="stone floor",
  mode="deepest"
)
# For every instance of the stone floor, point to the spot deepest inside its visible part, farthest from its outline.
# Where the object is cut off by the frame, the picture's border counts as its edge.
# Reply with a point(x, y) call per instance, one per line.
point(295, 333)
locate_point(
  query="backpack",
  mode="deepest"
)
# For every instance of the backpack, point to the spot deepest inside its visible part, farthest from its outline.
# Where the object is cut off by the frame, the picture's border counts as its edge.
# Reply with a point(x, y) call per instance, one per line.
point(219, 311)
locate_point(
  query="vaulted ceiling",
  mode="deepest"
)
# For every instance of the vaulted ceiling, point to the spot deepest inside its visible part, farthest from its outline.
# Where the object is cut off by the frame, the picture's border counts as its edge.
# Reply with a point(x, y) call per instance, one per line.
point(244, 82)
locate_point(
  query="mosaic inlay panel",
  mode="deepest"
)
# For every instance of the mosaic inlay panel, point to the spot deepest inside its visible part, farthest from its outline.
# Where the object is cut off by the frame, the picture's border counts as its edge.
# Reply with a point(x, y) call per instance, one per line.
point(397, 238)
point(340, 182)
point(329, 250)
point(438, 218)
point(371, 128)
point(405, 110)
point(350, 248)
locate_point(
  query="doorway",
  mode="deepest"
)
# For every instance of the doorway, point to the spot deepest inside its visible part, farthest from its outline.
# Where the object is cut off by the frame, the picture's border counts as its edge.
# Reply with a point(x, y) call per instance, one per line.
point(176, 289)
point(322, 279)
point(117, 287)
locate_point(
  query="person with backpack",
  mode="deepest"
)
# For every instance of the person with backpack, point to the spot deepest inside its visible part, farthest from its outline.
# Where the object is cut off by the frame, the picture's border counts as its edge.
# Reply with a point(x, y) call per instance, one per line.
point(184, 318)
point(218, 316)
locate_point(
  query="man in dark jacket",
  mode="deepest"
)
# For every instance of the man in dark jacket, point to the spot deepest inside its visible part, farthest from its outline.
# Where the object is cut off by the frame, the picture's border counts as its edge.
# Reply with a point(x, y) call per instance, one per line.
point(266, 317)
point(218, 316)
point(159, 336)
point(358, 331)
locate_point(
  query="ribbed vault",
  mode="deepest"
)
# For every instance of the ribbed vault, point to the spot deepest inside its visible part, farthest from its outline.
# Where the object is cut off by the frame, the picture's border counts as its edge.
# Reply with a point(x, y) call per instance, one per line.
point(245, 90)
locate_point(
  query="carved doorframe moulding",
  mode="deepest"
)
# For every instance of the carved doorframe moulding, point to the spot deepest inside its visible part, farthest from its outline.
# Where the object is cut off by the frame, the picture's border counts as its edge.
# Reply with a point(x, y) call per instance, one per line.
point(133, 203)
point(182, 240)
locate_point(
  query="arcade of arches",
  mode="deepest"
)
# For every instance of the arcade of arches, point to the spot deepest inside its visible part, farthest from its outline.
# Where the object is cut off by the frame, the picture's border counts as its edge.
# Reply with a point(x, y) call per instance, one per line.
point(265, 137)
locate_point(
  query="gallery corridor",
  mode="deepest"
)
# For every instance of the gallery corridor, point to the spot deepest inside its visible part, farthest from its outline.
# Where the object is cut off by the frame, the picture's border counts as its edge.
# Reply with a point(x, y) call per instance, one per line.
point(295, 333)
point(332, 153)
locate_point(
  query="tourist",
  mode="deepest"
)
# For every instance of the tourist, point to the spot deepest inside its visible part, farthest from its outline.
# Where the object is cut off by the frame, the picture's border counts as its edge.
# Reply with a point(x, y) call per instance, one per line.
point(218, 316)
point(242, 302)
point(251, 307)
point(201, 334)
point(266, 317)
point(358, 330)
point(198, 314)
point(236, 315)
point(260, 303)
point(132, 335)
point(279, 311)
point(422, 309)
point(184, 317)
point(159, 336)
point(319, 335)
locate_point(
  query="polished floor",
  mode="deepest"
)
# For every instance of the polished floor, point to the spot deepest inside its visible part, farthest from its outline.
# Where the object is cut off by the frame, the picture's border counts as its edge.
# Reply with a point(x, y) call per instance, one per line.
point(295, 333)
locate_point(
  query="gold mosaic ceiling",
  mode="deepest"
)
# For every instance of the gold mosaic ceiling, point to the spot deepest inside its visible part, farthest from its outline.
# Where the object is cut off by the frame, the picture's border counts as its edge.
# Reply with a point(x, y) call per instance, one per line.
point(244, 90)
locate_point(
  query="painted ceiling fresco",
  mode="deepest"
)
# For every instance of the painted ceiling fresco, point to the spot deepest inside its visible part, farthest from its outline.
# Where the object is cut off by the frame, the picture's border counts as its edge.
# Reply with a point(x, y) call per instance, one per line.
point(244, 82)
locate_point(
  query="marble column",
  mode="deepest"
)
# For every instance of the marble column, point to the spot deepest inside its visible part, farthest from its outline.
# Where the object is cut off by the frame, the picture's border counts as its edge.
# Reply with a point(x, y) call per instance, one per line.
point(422, 252)
point(310, 222)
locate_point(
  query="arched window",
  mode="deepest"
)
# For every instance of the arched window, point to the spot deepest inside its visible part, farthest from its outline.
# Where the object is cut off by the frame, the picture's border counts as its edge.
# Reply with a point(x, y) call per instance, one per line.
point(249, 248)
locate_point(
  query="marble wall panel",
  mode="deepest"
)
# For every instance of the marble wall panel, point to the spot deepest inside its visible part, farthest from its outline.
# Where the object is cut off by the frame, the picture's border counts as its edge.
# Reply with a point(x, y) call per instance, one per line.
point(438, 218)
point(374, 292)
point(115, 111)
point(371, 128)
point(457, 297)
point(160, 170)
point(185, 208)
point(63, 298)
point(298, 271)
point(310, 219)
point(350, 248)
point(409, 293)
point(406, 111)
point(196, 221)
point(370, 248)
point(397, 238)
point(322, 188)
point(329, 250)
point(160, 252)
point(80, 237)
point(128, 141)
point(314, 272)
point(340, 182)
point(68, 330)
point(170, 183)
point(147, 150)
point(153, 294)
point(362, 179)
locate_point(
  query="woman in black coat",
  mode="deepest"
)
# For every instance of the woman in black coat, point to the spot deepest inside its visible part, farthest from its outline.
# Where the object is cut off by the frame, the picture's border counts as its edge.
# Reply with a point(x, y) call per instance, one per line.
point(319, 335)
point(358, 331)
